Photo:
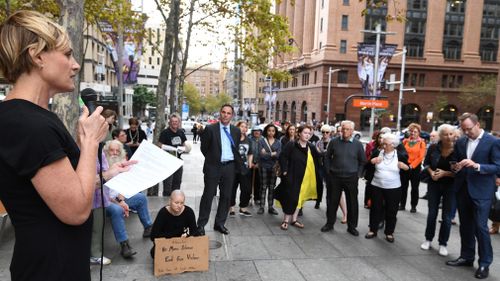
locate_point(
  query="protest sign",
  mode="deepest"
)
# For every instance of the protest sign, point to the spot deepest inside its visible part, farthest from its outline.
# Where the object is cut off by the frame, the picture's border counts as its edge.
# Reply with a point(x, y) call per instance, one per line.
point(176, 255)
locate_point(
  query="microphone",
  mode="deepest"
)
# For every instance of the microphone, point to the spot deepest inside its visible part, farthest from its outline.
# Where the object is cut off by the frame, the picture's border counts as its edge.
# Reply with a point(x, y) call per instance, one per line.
point(89, 98)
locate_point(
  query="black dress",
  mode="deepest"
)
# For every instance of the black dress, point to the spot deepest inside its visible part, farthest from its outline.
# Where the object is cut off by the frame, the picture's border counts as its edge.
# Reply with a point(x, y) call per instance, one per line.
point(293, 161)
point(45, 247)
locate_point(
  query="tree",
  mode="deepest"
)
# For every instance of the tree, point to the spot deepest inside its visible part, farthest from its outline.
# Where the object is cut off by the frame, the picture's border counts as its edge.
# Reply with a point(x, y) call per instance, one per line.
point(142, 97)
point(482, 89)
point(213, 103)
point(192, 98)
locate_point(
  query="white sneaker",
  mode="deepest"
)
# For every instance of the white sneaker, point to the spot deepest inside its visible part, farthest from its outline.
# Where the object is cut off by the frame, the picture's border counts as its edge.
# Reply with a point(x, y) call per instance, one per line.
point(426, 245)
point(105, 260)
point(443, 251)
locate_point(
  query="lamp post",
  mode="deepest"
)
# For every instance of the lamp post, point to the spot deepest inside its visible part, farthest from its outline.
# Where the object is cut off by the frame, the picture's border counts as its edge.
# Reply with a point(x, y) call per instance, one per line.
point(330, 72)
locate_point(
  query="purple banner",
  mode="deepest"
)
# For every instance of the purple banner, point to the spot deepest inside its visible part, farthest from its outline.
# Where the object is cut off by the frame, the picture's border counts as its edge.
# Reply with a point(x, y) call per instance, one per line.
point(366, 66)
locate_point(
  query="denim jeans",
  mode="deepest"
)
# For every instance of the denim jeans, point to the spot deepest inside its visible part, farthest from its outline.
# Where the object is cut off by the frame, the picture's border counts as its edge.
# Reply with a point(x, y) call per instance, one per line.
point(137, 202)
point(436, 191)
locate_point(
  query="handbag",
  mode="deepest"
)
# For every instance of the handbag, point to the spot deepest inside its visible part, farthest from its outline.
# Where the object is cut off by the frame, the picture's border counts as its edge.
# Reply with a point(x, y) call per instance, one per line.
point(276, 166)
point(424, 175)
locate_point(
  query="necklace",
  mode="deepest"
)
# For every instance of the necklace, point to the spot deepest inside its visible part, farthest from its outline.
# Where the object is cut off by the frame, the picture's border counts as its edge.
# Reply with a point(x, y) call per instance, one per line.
point(388, 159)
point(135, 136)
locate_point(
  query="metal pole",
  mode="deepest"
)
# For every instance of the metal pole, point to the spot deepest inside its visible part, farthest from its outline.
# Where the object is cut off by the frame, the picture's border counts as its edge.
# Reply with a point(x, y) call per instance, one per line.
point(119, 98)
point(269, 104)
point(401, 84)
point(375, 76)
point(328, 97)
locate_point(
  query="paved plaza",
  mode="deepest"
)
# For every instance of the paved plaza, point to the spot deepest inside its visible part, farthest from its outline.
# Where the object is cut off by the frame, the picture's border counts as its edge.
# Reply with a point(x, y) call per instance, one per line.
point(257, 249)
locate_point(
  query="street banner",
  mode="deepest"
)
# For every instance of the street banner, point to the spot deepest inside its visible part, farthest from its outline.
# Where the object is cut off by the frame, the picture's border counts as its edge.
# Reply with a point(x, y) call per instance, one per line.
point(366, 69)
point(370, 103)
point(176, 255)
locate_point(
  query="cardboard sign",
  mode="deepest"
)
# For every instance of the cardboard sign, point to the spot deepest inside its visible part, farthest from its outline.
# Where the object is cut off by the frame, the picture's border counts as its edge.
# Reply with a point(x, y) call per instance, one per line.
point(176, 255)
point(2, 208)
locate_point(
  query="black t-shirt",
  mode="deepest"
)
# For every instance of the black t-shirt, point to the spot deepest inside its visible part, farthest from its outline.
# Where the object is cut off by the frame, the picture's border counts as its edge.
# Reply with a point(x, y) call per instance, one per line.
point(46, 248)
point(135, 137)
point(245, 149)
point(169, 137)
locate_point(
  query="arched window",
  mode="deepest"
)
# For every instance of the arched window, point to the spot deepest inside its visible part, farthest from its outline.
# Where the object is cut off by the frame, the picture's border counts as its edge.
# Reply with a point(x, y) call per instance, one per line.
point(410, 114)
point(285, 111)
point(485, 115)
point(303, 112)
point(277, 118)
point(448, 114)
point(293, 113)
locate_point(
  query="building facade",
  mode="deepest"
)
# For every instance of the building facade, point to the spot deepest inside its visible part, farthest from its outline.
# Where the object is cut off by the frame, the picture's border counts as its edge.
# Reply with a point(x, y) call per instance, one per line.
point(450, 44)
point(206, 80)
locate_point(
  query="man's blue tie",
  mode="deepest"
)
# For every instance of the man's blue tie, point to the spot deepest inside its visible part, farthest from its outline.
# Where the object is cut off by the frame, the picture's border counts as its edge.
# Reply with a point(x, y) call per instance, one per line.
point(228, 135)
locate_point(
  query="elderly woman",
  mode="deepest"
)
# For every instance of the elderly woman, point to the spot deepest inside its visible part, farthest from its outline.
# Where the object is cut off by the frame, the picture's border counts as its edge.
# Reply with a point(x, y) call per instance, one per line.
point(174, 220)
point(386, 186)
point(300, 168)
point(269, 152)
point(46, 179)
point(440, 187)
point(415, 147)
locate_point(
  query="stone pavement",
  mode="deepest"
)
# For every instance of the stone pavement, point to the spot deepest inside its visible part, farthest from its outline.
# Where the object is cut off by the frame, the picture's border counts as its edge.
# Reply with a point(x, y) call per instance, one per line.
point(257, 249)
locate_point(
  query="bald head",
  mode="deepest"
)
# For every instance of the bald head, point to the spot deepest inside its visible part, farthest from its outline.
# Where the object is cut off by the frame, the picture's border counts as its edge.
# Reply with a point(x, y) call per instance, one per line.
point(177, 194)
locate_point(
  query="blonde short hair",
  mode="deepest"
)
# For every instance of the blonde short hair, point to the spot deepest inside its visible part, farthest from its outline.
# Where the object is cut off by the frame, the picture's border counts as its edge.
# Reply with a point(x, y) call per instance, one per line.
point(22, 31)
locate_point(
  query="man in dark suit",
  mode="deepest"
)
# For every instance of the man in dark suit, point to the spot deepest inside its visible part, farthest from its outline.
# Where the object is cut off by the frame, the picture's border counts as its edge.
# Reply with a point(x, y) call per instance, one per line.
point(478, 162)
point(218, 143)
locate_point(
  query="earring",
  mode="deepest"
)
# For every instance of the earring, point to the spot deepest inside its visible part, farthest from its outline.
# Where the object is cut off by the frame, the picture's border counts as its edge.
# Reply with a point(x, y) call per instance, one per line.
point(41, 66)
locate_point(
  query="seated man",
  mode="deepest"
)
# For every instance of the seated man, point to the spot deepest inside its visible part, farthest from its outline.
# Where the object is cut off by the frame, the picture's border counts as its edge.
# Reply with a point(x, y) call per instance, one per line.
point(174, 220)
point(118, 207)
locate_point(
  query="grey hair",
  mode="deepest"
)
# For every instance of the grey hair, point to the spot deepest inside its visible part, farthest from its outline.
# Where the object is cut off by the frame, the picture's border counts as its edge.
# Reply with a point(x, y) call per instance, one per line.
point(385, 130)
point(117, 142)
point(444, 127)
point(392, 138)
point(347, 122)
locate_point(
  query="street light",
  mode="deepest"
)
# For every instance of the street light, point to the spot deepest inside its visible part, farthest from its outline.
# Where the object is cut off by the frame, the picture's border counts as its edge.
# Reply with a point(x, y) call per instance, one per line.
point(330, 72)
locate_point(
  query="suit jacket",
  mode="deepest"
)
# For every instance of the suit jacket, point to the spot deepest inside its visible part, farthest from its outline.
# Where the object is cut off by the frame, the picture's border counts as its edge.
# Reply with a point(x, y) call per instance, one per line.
point(480, 184)
point(211, 146)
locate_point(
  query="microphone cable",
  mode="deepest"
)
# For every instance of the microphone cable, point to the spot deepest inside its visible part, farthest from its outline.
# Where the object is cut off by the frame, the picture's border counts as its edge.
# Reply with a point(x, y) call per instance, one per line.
point(101, 180)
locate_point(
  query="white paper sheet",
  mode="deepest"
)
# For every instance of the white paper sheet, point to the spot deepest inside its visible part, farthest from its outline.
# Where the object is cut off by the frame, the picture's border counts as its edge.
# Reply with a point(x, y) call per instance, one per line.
point(154, 165)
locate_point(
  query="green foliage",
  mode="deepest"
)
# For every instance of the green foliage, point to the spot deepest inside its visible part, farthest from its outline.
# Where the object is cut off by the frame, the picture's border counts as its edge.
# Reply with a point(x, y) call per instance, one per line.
point(142, 97)
point(482, 88)
point(440, 103)
point(399, 14)
point(192, 98)
point(212, 104)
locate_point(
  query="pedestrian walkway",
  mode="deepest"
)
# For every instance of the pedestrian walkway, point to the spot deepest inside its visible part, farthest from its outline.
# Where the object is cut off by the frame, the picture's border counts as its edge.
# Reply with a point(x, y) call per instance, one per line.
point(257, 249)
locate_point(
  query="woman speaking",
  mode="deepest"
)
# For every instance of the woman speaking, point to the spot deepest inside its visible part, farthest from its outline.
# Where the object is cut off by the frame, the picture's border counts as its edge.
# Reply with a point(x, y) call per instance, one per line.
point(46, 179)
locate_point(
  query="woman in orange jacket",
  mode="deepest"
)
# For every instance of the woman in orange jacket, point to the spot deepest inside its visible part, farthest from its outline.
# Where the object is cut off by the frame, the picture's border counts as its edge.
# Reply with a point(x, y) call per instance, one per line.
point(415, 147)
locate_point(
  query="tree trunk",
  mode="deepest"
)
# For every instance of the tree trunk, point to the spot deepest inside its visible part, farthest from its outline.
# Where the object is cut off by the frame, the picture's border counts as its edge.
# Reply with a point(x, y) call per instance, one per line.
point(66, 106)
point(164, 71)
point(174, 102)
point(182, 72)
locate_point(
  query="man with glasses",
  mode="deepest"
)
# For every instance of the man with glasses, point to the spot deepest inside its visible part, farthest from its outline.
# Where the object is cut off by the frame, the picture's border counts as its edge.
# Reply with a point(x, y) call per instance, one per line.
point(345, 160)
point(477, 164)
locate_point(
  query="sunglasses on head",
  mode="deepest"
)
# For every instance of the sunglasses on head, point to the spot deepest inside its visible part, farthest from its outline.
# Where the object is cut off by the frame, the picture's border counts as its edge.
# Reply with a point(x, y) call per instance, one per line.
point(325, 132)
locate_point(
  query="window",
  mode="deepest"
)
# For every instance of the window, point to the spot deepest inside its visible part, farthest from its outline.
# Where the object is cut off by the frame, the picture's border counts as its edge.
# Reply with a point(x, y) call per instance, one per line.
point(320, 44)
point(315, 77)
point(342, 77)
point(413, 79)
point(322, 4)
point(451, 81)
point(158, 61)
point(150, 60)
point(285, 84)
point(294, 82)
point(305, 79)
point(421, 80)
point(345, 22)
point(343, 46)
point(321, 25)
point(345, 2)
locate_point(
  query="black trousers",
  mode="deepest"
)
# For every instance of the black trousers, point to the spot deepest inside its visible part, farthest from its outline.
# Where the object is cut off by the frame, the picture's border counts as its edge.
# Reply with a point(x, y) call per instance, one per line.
point(412, 176)
point(245, 182)
point(335, 186)
point(255, 183)
point(224, 178)
point(173, 182)
point(384, 207)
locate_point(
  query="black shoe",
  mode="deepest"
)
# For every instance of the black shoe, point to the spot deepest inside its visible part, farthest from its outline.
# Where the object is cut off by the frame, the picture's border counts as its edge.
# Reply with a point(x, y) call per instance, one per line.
point(424, 197)
point(371, 235)
point(327, 227)
point(232, 213)
point(353, 231)
point(260, 211)
point(147, 232)
point(317, 205)
point(222, 229)
point(201, 230)
point(300, 213)
point(459, 262)
point(245, 213)
point(272, 211)
point(482, 272)
point(126, 251)
point(413, 210)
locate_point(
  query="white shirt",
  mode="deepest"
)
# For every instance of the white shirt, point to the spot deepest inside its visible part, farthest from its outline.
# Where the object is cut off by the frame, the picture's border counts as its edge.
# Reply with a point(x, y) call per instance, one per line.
point(387, 172)
point(472, 144)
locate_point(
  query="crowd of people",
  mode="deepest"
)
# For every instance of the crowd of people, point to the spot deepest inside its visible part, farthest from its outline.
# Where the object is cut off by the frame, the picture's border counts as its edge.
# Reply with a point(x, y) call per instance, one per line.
point(53, 188)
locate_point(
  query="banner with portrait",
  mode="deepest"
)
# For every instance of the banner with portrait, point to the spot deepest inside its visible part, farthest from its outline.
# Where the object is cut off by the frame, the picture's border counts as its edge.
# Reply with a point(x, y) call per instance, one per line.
point(366, 66)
